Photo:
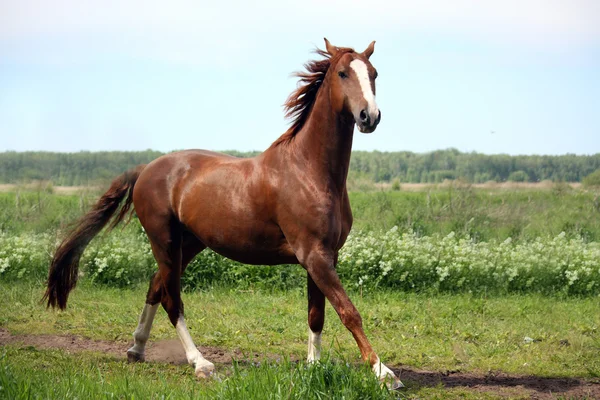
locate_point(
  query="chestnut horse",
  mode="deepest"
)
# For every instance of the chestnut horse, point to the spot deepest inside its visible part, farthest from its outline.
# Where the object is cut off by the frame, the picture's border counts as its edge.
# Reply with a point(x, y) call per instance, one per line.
point(289, 205)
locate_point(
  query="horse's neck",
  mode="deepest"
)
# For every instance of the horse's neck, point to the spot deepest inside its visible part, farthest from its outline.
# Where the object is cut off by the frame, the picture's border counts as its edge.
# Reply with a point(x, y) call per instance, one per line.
point(325, 141)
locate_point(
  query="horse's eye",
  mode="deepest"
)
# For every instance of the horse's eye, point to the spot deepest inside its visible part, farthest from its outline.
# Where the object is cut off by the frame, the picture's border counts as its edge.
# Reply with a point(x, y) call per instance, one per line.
point(375, 75)
point(342, 75)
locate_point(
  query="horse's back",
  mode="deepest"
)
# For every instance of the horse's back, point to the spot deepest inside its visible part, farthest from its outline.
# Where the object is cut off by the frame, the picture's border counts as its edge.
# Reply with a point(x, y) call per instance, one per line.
point(164, 181)
point(175, 165)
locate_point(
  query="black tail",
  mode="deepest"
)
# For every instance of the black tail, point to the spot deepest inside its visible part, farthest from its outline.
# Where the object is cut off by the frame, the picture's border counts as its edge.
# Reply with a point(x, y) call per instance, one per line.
point(62, 276)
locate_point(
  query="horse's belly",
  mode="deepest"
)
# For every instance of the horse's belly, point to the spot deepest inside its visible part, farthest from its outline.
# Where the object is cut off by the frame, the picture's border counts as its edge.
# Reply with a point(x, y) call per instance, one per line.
point(233, 216)
point(250, 242)
point(258, 257)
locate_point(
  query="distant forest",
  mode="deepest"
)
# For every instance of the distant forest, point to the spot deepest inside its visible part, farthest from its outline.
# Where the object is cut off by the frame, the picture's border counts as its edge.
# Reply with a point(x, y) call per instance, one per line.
point(88, 168)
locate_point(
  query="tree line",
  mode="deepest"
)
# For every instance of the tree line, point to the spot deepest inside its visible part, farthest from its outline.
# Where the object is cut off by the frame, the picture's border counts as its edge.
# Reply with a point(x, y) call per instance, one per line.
point(88, 168)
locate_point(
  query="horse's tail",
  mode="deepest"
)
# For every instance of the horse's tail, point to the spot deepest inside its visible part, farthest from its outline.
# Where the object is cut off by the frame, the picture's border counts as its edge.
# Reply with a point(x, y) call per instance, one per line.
point(62, 276)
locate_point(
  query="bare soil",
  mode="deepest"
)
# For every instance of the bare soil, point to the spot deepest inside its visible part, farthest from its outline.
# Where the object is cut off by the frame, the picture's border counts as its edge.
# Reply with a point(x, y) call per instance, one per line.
point(171, 351)
point(491, 185)
point(409, 187)
point(43, 186)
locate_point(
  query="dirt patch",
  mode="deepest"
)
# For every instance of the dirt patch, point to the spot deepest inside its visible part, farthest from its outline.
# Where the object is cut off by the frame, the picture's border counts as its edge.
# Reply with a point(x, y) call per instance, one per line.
point(491, 185)
point(161, 351)
point(171, 351)
point(499, 383)
point(45, 186)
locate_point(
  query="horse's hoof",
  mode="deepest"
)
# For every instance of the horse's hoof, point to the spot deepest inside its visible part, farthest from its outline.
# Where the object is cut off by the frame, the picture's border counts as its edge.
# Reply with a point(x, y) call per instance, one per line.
point(394, 384)
point(134, 357)
point(205, 371)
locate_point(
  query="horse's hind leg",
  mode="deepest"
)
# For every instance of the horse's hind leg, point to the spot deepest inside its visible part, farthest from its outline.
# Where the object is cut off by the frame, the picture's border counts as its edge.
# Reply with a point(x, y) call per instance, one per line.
point(316, 319)
point(191, 247)
point(142, 332)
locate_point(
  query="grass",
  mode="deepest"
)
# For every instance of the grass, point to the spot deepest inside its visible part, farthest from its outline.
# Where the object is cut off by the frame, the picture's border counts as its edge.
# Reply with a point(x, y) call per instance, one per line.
point(459, 332)
point(483, 214)
point(95, 376)
point(28, 373)
point(40, 210)
point(444, 332)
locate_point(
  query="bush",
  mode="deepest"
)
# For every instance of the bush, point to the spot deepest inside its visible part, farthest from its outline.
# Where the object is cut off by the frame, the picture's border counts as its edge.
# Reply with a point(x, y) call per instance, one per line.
point(451, 264)
point(368, 261)
point(592, 179)
point(518, 176)
point(25, 256)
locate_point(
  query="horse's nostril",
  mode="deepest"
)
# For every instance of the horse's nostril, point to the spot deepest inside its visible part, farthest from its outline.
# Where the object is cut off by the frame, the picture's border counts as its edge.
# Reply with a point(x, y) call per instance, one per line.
point(364, 117)
point(378, 116)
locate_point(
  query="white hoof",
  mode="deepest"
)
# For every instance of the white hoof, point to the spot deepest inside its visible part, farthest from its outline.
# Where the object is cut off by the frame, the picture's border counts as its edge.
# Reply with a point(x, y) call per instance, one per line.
point(393, 383)
point(314, 347)
point(204, 369)
point(386, 376)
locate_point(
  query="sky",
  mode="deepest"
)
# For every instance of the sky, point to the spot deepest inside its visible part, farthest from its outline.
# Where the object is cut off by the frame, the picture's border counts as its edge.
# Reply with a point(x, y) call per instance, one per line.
point(509, 76)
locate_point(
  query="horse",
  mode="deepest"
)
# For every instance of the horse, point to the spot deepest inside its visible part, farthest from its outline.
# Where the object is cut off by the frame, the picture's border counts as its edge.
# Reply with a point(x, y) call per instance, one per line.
point(288, 205)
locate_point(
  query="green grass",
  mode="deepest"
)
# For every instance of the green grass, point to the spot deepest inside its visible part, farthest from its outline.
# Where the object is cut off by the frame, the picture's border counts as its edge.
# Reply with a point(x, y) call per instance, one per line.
point(483, 214)
point(28, 373)
point(444, 332)
point(95, 376)
point(41, 211)
point(441, 333)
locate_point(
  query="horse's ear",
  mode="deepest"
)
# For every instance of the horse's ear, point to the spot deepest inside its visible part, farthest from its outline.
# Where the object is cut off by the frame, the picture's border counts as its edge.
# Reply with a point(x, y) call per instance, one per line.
point(369, 51)
point(331, 49)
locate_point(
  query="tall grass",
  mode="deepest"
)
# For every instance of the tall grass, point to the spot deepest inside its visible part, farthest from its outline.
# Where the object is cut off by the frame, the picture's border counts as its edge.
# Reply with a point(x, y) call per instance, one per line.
point(60, 376)
point(41, 210)
point(482, 214)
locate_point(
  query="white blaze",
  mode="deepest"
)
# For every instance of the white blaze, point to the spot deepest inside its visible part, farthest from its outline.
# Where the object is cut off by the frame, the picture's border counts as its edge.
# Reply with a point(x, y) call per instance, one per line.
point(360, 68)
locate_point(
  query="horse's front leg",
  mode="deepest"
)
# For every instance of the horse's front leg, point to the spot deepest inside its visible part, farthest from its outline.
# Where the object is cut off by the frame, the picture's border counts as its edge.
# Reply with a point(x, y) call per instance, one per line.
point(320, 264)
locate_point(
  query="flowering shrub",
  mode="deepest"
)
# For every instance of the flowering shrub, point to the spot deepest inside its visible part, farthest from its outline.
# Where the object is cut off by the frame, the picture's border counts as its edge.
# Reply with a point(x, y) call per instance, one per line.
point(25, 256)
point(119, 259)
point(450, 264)
point(395, 260)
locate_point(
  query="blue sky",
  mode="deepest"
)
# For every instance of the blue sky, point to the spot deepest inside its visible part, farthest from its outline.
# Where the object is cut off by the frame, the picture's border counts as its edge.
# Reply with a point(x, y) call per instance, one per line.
point(517, 77)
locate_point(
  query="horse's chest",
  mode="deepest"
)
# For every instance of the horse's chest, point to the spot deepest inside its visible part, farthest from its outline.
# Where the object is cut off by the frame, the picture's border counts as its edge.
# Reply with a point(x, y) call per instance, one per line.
point(345, 224)
point(331, 221)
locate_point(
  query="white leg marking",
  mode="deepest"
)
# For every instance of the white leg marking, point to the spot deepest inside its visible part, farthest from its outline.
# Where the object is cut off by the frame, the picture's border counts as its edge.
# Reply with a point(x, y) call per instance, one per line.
point(386, 375)
point(202, 367)
point(142, 333)
point(360, 68)
point(314, 346)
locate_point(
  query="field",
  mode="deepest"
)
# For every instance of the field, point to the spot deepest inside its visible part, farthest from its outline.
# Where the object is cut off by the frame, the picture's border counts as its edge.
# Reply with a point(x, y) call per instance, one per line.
point(465, 292)
point(445, 346)
point(491, 211)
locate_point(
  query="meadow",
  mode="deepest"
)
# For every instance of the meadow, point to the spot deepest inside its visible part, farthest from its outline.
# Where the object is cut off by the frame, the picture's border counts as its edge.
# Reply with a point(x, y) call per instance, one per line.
point(481, 213)
point(467, 293)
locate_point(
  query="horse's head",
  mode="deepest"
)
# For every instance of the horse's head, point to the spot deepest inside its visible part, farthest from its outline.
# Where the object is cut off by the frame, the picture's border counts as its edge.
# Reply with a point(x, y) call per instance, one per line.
point(352, 85)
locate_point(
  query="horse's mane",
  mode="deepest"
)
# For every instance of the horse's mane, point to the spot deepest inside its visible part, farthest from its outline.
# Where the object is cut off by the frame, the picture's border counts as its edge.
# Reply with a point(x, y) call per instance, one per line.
point(299, 103)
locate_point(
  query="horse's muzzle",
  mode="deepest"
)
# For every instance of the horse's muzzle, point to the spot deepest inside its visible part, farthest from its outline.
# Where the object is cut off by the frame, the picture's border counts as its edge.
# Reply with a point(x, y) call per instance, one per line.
point(367, 123)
